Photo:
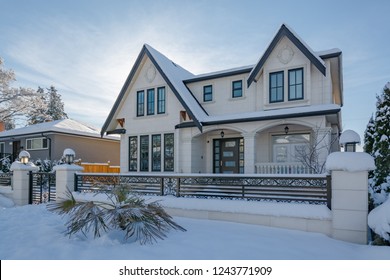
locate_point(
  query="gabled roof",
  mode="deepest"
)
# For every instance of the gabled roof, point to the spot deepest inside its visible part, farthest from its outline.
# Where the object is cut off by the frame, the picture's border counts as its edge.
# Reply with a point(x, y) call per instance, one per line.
point(284, 30)
point(66, 126)
point(174, 75)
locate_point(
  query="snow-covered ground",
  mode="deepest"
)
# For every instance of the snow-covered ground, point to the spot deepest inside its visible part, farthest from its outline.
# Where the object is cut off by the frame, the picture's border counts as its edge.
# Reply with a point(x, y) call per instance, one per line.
point(33, 233)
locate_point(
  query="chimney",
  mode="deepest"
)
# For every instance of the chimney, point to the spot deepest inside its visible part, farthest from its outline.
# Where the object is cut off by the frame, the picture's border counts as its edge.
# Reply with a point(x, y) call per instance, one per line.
point(2, 126)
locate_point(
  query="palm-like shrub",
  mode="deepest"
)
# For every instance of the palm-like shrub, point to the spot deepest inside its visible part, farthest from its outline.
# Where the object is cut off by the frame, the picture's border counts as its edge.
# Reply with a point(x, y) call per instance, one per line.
point(146, 222)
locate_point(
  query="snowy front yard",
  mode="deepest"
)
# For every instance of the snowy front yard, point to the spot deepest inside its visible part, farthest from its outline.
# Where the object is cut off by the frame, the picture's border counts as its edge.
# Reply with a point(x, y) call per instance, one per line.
point(33, 233)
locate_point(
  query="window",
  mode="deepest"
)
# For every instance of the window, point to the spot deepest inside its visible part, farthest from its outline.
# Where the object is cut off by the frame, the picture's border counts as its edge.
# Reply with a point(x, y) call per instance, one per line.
point(237, 89)
point(276, 88)
point(133, 153)
point(156, 152)
point(161, 100)
point(2, 148)
point(291, 147)
point(207, 93)
point(150, 109)
point(144, 153)
point(36, 143)
point(295, 84)
point(140, 103)
point(169, 152)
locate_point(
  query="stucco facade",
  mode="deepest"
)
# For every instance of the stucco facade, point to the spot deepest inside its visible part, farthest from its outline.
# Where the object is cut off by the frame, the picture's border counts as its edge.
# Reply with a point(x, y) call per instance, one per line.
point(240, 120)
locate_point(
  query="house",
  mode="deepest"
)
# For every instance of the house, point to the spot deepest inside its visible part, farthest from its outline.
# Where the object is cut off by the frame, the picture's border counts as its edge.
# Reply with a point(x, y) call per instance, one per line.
point(49, 140)
point(260, 118)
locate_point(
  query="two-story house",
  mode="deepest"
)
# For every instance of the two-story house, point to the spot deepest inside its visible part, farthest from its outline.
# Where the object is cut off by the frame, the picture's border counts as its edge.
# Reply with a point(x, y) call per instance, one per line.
point(244, 120)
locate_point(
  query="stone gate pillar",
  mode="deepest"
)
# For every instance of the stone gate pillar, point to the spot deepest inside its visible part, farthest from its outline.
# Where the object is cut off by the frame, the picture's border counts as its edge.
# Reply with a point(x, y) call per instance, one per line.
point(349, 173)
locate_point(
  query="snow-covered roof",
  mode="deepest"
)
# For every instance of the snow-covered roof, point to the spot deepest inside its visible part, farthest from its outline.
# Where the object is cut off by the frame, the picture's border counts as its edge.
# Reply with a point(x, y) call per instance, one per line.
point(67, 126)
point(280, 113)
point(349, 136)
point(175, 76)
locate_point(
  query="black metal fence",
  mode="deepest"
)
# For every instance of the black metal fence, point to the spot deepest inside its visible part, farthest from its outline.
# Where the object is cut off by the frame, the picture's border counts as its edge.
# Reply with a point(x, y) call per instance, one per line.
point(42, 187)
point(313, 189)
point(5, 179)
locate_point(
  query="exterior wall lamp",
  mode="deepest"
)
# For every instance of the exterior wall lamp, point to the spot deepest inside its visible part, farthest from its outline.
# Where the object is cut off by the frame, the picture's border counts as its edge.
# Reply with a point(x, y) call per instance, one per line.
point(222, 134)
point(24, 157)
point(69, 156)
point(286, 129)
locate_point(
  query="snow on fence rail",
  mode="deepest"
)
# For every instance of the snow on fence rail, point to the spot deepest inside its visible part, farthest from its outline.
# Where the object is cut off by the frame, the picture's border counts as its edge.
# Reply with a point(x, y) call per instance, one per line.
point(315, 189)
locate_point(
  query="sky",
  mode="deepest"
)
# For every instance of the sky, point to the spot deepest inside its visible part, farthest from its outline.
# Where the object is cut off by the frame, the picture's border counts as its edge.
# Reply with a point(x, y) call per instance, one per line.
point(86, 49)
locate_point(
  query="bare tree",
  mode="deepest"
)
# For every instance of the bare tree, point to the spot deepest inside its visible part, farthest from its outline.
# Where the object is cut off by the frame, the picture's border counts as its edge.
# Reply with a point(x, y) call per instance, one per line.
point(309, 155)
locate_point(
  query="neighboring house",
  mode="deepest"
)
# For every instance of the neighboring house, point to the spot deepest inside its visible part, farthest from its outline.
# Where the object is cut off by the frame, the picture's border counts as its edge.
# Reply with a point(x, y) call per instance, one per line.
point(240, 120)
point(49, 140)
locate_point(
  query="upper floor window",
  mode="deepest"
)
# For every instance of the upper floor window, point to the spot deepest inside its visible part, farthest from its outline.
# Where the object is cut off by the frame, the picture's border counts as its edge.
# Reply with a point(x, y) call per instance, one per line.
point(140, 103)
point(36, 143)
point(150, 105)
point(152, 102)
point(161, 100)
point(295, 84)
point(237, 89)
point(207, 93)
point(276, 87)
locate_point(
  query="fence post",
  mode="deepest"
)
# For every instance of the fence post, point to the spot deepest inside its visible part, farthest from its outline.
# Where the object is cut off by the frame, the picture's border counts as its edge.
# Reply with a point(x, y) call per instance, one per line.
point(350, 195)
point(65, 178)
point(21, 181)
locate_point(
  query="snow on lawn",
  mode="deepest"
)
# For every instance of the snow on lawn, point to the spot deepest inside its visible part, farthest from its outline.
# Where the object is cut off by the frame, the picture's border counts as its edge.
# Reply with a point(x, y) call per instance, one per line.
point(31, 232)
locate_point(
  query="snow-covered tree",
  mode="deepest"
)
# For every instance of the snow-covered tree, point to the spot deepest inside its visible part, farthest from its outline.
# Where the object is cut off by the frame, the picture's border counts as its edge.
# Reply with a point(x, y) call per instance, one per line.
point(55, 106)
point(377, 143)
point(47, 106)
point(14, 102)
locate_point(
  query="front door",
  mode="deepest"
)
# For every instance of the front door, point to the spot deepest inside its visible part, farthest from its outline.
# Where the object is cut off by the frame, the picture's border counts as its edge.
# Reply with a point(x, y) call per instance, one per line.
point(16, 148)
point(227, 155)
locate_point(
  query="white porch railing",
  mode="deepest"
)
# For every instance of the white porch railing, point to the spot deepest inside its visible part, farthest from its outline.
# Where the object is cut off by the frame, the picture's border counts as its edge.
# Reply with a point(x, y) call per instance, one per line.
point(281, 168)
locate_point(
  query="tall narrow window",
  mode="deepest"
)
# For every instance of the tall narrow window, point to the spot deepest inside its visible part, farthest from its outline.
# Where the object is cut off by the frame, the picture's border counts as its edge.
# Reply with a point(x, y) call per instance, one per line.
point(169, 148)
point(156, 152)
point(237, 89)
point(144, 153)
point(150, 106)
point(140, 103)
point(295, 84)
point(133, 153)
point(207, 93)
point(161, 100)
point(276, 88)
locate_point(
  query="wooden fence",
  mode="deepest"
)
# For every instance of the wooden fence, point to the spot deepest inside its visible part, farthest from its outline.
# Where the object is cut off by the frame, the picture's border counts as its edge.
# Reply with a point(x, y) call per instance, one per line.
point(99, 168)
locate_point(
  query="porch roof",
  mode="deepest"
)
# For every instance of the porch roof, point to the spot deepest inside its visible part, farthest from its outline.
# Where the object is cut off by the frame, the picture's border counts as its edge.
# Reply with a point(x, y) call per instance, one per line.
point(296, 112)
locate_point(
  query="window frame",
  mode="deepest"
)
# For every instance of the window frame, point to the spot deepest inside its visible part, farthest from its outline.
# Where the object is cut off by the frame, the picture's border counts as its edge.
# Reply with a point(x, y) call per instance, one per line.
point(133, 155)
point(169, 156)
point(156, 152)
point(150, 103)
point(144, 153)
point(208, 94)
point(296, 84)
point(234, 89)
point(140, 103)
point(271, 87)
point(161, 100)
point(42, 146)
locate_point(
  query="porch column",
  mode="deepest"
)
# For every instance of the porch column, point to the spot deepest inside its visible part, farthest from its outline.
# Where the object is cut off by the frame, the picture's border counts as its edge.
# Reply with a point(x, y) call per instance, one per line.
point(20, 181)
point(249, 152)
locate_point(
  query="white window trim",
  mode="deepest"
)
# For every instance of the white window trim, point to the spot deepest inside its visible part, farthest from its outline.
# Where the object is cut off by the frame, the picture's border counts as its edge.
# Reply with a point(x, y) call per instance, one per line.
point(40, 138)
